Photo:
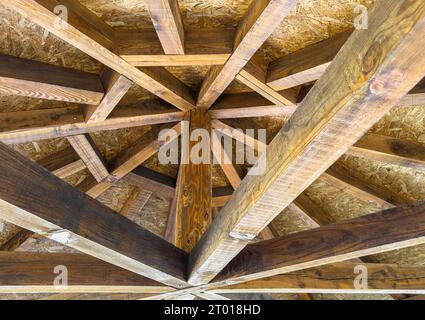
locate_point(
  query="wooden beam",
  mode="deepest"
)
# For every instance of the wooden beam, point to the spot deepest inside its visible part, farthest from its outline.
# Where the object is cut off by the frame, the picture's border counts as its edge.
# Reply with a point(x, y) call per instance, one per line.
point(253, 75)
point(305, 65)
point(135, 203)
point(194, 187)
point(24, 272)
point(15, 242)
point(142, 48)
point(383, 231)
point(133, 157)
point(171, 231)
point(30, 78)
point(34, 199)
point(91, 156)
point(258, 24)
point(27, 126)
point(63, 163)
point(247, 105)
point(386, 149)
point(116, 86)
point(167, 21)
point(82, 31)
point(339, 278)
point(318, 133)
point(238, 135)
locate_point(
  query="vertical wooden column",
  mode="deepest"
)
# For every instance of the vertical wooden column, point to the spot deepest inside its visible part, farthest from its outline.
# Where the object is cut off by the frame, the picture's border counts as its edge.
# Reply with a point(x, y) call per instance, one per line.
point(194, 187)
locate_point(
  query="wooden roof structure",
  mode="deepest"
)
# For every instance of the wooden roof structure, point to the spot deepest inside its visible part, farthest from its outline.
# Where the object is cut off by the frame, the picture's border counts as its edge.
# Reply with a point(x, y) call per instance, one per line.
point(218, 241)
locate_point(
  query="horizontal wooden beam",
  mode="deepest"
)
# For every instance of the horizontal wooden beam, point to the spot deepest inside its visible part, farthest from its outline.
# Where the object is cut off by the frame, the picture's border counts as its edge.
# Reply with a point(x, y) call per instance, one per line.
point(63, 163)
point(36, 200)
point(378, 232)
point(261, 19)
point(321, 130)
point(82, 32)
point(247, 105)
point(27, 126)
point(23, 272)
point(35, 79)
point(340, 278)
point(142, 48)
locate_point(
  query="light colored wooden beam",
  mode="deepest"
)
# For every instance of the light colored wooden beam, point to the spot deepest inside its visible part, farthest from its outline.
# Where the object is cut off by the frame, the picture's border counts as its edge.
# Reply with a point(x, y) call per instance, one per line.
point(386, 149)
point(259, 22)
point(133, 157)
point(166, 18)
point(34, 199)
point(378, 232)
point(23, 272)
point(63, 163)
point(253, 75)
point(90, 154)
point(339, 278)
point(247, 105)
point(142, 48)
point(116, 86)
point(318, 132)
point(305, 65)
point(194, 187)
point(81, 33)
point(35, 79)
point(27, 126)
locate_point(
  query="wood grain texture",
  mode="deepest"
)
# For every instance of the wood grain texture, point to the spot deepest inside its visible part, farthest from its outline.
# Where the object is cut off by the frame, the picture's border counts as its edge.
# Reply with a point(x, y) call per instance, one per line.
point(63, 163)
point(116, 86)
point(194, 187)
point(135, 202)
point(27, 126)
point(253, 75)
point(91, 155)
point(16, 240)
point(378, 232)
point(339, 278)
point(23, 272)
point(366, 79)
point(132, 158)
point(167, 21)
point(259, 22)
point(35, 79)
point(80, 33)
point(142, 48)
point(386, 149)
point(247, 105)
point(78, 221)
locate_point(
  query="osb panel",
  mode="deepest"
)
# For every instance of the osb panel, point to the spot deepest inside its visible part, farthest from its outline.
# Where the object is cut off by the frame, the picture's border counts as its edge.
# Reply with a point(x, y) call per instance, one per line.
point(21, 38)
point(311, 22)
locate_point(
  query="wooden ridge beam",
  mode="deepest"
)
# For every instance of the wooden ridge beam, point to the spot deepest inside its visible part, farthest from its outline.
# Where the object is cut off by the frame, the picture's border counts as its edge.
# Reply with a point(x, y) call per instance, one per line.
point(339, 278)
point(142, 48)
point(91, 155)
point(82, 31)
point(76, 220)
point(378, 232)
point(27, 126)
point(23, 272)
point(318, 133)
point(258, 24)
point(167, 21)
point(40, 80)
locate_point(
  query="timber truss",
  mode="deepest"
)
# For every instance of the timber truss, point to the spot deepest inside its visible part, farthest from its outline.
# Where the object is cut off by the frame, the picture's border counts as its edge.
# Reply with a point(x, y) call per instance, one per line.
point(352, 80)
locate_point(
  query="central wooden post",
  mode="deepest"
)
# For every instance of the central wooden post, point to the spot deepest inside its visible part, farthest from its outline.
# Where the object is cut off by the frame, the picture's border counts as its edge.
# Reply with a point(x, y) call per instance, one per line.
point(194, 186)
